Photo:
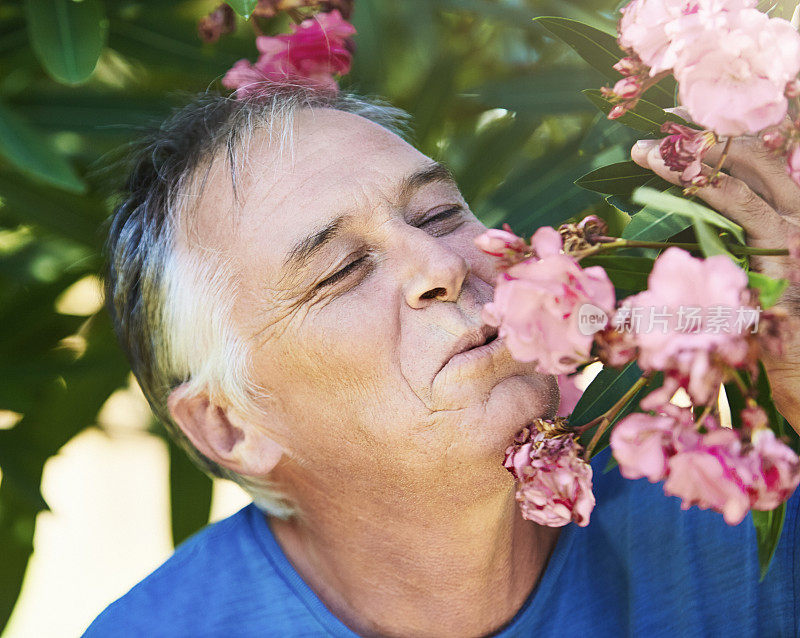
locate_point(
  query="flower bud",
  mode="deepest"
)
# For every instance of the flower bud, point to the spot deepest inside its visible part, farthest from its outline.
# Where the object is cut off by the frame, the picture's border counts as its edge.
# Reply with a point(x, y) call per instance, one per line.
point(628, 88)
point(628, 66)
point(773, 140)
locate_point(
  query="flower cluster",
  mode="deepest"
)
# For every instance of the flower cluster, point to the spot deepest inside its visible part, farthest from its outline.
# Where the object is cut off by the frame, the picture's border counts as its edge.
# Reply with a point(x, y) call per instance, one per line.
point(554, 484)
point(311, 55)
point(728, 470)
point(541, 295)
point(735, 66)
point(692, 357)
point(536, 300)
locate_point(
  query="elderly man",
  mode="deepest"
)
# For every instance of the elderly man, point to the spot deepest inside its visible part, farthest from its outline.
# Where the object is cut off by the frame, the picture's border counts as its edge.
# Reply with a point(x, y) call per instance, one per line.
point(299, 294)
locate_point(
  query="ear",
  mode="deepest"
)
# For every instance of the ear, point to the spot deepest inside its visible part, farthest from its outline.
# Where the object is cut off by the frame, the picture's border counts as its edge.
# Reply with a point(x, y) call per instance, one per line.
point(222, 435)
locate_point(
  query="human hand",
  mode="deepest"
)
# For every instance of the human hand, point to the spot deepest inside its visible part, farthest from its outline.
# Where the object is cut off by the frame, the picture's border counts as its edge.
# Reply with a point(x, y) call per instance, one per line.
point(758, 194)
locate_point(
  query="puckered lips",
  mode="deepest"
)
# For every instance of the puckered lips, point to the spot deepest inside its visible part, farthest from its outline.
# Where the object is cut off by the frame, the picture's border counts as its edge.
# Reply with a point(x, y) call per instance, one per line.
point(472, 346)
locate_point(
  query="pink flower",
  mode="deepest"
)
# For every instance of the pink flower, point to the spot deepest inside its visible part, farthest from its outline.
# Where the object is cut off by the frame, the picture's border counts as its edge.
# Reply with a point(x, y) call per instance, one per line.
point(690, 321)
point(732, 77)
point(729, 471)
point(536, 305)
point(316, 50)
point(709, 471)
point(570, 395)
point(648, 27)
point(778, 470)
point(642, 445)
point(504, 244)
point(793, 163)
point(554, 483)
point(684, 148)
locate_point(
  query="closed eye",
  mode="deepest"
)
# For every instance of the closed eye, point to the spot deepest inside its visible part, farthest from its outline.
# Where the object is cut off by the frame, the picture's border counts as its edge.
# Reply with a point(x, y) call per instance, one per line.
point(339, 274)
point(445, 214)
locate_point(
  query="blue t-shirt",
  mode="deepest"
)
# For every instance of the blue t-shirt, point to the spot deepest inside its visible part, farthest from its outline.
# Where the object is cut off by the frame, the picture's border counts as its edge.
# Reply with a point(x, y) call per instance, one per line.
point(642, 567)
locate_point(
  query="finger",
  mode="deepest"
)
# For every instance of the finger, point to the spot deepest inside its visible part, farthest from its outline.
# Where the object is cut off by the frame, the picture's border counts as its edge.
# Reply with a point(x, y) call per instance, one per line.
point(681, 113)
point(765, 171)
point(730, 196)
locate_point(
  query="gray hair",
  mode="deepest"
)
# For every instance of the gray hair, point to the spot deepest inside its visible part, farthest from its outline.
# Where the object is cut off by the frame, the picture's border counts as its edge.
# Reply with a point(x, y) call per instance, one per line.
point(171, 308)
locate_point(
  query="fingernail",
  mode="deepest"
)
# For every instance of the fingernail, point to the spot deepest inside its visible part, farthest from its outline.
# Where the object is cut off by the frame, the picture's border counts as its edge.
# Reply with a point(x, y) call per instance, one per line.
point(646, 144)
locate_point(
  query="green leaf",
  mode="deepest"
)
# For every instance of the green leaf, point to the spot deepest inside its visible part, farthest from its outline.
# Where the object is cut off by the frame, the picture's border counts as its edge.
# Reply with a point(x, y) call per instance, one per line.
point(651, 224)
point(190, 494)
point(541, 192)
point(645, 116)
point(598, 48)
point(608, 387)
point(243, 7)
point(769, 288)
point(669, 203)
point(710, 243)
point(17, 524)
point(492, 153)
point(626, 272)
point(549, 92)
point(605, 390)
point(621, 178)
point(67, 36)
point(769, 526)
point(24, 148)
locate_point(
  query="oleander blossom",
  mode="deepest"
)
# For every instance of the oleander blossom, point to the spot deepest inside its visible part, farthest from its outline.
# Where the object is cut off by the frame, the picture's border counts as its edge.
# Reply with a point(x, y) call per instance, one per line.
point(554, 483)
point(569, 394)
point(729, 471)
point(793, 163)
point(537, 301)
point(684, 149)
point(732, 78)
point(503, 244)
point(693, 320)
point(647, 27)
point(642, 444)
point(312, 54)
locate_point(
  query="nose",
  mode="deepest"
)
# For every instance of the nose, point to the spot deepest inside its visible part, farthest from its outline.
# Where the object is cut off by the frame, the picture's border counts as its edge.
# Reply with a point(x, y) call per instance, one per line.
point(436, 271)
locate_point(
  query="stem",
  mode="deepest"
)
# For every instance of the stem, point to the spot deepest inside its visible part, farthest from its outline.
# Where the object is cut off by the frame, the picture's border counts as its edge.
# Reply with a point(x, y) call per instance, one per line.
point(722, 159)
point(608, 416)
point(737, 379)
point(633, 243)
point(705, 413)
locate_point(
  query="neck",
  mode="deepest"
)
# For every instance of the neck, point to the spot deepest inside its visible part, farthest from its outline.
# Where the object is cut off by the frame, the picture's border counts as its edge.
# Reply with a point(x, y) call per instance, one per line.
point(417, 567)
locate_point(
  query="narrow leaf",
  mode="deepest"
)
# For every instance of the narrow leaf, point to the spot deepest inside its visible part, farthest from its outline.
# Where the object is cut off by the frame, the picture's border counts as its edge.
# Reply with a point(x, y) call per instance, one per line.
point(626, 272)
point(651, 224)
point(24, 148)
point(666, 202)
point(606, 388)
point(67, 36)
point(243, 7)
point(769, 288)
point(769, 526)
point(598, 48)
point(621, 178)
point(645, 116)
point(710, 243)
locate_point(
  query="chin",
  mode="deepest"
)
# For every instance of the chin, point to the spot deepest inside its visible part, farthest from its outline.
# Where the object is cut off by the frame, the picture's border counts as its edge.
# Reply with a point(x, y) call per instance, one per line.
point(511, 405)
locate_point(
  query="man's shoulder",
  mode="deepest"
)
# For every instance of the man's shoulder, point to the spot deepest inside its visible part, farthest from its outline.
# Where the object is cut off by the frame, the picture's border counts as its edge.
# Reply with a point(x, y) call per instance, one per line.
point(209, 581)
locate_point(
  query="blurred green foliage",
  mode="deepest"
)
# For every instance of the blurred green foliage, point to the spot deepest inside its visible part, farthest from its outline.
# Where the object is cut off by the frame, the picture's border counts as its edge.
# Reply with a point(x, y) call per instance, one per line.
point(492, 94)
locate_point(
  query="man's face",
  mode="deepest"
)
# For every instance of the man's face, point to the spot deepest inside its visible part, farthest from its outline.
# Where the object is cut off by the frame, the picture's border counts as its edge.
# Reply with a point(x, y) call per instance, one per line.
point(352, 338)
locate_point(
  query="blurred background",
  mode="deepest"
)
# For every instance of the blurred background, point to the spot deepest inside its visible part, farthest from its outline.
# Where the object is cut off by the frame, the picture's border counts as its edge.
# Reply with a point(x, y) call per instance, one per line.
point(92, 495)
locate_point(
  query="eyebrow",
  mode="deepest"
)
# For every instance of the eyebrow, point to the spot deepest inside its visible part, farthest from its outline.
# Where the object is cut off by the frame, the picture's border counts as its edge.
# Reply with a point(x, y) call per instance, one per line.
point(303, 250)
